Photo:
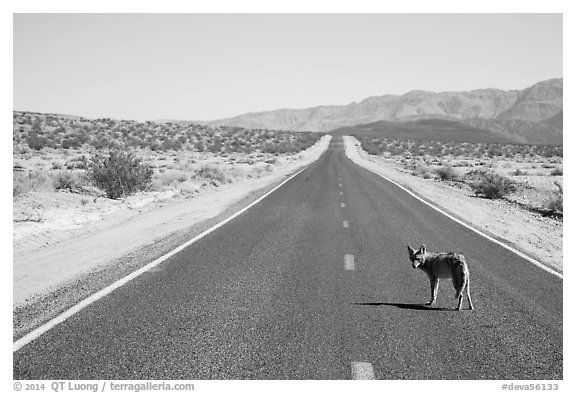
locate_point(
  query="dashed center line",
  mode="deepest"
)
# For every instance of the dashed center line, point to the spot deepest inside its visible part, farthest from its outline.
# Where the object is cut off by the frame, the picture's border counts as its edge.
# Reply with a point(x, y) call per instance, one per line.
point(341, 193)
point(349, 262)
point(362, 370)
point(342, 204)
point(339, 184)
point(345, 224)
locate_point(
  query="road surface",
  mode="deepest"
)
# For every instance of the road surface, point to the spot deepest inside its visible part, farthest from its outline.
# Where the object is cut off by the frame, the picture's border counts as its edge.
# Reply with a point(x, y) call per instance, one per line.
point(314, 282)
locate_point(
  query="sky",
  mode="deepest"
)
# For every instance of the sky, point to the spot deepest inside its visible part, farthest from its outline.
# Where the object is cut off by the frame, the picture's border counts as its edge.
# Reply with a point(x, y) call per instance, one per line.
point(213, 66)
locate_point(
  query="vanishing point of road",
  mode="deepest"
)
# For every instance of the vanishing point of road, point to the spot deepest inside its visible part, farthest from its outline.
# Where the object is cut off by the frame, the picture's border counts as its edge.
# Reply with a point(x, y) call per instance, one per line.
point(314, 282)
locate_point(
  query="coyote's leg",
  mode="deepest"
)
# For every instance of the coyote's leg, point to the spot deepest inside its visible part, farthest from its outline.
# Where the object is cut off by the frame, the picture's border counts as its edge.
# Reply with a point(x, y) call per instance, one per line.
point(433, 290)
point(460, 281)
point(468, 293)
point(459, 307)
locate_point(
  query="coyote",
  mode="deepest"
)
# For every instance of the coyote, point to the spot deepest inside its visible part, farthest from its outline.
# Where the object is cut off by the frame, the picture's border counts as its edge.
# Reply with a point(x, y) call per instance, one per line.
point(445, 265)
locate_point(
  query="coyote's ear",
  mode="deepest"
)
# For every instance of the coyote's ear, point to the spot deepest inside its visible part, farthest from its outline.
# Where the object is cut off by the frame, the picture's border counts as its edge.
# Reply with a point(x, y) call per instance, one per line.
point(422, 249)
point(411, 251)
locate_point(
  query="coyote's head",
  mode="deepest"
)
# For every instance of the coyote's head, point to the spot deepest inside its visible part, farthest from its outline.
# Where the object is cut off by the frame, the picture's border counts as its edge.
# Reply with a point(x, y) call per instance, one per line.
point(417, 257)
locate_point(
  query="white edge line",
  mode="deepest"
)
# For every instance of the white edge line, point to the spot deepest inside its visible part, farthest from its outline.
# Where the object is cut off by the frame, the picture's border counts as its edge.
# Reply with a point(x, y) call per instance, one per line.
point(34, 334)
point(506, 246)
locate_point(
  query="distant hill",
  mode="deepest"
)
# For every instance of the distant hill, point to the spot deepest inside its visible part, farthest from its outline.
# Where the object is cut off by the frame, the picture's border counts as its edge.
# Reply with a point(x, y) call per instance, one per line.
point(429, 129)
point(520, 115)
point(556, 121)
point(536, 103)
point(522, 131)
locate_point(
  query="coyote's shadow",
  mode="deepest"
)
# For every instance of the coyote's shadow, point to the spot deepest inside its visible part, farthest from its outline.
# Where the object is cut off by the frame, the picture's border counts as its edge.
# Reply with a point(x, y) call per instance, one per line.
point(419, 307)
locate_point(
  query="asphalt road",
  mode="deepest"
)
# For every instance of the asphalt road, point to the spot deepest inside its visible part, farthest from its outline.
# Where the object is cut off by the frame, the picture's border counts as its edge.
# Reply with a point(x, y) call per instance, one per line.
point(314, 282)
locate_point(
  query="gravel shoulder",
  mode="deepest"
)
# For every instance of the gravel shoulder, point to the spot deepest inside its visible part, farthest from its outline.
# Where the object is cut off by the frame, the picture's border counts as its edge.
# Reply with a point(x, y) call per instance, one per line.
point(537, 236)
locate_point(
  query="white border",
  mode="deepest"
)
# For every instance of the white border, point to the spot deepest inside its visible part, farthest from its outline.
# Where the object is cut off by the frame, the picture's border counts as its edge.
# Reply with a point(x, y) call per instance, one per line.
point(410, 6)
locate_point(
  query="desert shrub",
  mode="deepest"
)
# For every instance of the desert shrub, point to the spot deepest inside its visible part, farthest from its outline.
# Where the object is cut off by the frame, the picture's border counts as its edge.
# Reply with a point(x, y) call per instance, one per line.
point(491, 185)
point(80, 162)
point(188, 189)
point(37, 125)
point(423, 171)
point(36, 141)
point(70, 143)
point(268, 147)
point(261, 170)
point(30, 181)
point(214, 148)
point(102, 142)
point(371, 148)
point(234, 173)
point(199, 146)
point(65, 180)
point(119, 174)
point(519, 172)
point(75, 141)
point(462, 163)
point(556, 204)
point(156, 184)
point(172, 176)
point(557, 172)
point(169, 144)
point(446, 172)
point(212, 174)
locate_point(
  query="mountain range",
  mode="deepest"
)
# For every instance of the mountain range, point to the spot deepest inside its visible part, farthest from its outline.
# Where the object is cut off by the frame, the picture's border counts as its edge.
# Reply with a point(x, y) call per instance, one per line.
point(531, 115)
